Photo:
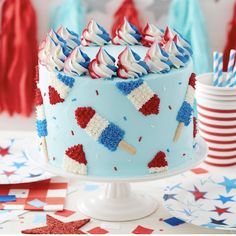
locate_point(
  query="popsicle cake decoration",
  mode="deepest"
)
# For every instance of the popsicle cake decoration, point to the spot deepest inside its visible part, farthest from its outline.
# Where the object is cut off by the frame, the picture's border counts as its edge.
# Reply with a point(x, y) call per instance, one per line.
point(59, 88)
point(195, 127)
point(75, 160)
point(185, 112)
point(101, 130)
point(158, 163)
point(41, 122)
point(141, 96)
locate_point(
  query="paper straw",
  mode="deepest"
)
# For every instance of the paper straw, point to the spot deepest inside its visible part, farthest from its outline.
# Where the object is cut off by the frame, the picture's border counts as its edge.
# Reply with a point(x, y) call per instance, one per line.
point(230, 70)
point(219, 79)
point(215, 65)
point(232, 78)
point(231, 61)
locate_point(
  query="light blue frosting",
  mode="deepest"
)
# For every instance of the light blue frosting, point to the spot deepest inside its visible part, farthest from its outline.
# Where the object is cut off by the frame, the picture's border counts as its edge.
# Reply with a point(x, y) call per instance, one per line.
point(148, 135)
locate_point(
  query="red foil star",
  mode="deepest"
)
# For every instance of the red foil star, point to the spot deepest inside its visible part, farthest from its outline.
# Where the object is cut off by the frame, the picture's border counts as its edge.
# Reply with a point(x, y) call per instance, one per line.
point(55, 226)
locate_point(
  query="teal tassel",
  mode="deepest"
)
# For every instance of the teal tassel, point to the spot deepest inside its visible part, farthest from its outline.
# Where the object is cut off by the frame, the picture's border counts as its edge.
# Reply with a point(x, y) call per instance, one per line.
point(186, 17)
point(70, 14)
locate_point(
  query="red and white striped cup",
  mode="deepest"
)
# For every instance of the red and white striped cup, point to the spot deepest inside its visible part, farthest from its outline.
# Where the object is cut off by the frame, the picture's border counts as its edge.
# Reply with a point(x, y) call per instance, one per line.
point(217, 122)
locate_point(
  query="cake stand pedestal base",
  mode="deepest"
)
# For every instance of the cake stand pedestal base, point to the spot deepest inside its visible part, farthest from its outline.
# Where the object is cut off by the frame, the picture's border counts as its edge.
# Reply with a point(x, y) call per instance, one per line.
point(117, 203)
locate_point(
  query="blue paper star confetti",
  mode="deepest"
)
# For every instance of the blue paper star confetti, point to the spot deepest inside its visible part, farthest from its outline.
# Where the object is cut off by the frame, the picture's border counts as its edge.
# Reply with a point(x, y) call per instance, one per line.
point(8, 198)
point(173, 221)
point(40, 218)
point(36, 203)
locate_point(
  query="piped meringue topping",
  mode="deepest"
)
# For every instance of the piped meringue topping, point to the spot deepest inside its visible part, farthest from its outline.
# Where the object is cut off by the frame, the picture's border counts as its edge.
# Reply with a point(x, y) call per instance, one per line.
point(127, 34)
point(94, 34)
point(130, 65)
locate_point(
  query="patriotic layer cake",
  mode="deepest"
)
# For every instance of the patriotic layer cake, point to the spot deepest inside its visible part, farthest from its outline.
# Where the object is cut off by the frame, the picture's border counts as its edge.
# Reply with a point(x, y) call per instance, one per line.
point(116, 107)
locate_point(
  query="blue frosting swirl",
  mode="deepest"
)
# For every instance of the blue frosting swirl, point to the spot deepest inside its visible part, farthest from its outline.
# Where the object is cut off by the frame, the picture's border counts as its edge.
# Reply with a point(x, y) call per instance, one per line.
point(127, 34)
point(77, 63)
point(130, 65)
point(71, 38)
point(157, 59)
point(94, 34)
point(177, 54)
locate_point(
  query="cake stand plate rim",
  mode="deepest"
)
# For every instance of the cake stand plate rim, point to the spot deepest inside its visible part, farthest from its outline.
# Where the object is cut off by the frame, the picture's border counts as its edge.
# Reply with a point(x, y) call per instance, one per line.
point(199, 140)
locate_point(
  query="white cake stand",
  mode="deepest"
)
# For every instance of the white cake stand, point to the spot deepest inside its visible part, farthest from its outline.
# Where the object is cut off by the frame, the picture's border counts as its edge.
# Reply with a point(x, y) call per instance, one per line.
point(117, 202)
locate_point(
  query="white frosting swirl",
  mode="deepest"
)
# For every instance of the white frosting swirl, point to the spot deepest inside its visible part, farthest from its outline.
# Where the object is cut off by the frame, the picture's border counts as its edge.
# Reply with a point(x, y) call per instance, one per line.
point(130, 65)
point(157, 59)
point(181, 42)
point(175, 54)
point(71, 38)
point(77, 63)
point(168, 35)
point(127, 34)
point(103, 66)
point(94, 34)
point(150, 34)
point(56, 38)
point(56, 59)
point(45, 49)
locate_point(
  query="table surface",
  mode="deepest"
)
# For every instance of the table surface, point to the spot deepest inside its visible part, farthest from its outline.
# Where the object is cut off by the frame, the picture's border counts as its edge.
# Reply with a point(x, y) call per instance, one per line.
point(154, 221)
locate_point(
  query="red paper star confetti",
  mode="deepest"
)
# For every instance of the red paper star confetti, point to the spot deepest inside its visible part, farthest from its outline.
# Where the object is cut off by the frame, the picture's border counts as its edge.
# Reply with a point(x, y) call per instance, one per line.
point(220, 210)
point(65, 213)
point(197, 194)
point(4, 151)
point(98, 230)
point(199, 171)
point(142, 230)
point(55, 226)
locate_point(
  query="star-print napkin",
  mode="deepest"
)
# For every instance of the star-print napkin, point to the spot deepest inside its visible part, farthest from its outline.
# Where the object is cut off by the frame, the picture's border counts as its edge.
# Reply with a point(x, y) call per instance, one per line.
point(39, 196)
point(15, 167)
point(207, 202)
